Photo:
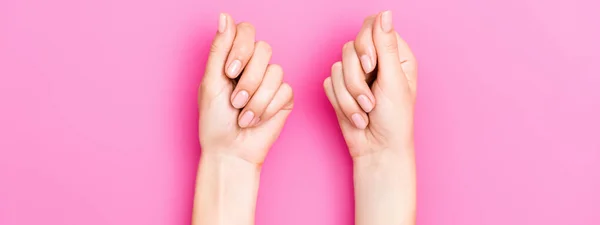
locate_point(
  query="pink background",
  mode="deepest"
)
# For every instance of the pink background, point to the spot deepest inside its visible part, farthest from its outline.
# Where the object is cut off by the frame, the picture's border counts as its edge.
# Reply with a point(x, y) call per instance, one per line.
point(98, 110)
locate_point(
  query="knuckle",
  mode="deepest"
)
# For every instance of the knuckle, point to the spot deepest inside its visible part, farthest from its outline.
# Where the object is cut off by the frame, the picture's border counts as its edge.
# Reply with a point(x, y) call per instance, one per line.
point(243, 50)
point(274, 73)
point(348, 108)
point(287, 91)
point(252, 82)
point(246, 27)
point(290, 98)
point(369, 20)
point(352, 87)
point(290, 105)
point(360, 44)
point(286, 88)
point(327, 83)
point(264, 46)
point(390, 47)
point(257, 104)
point(336, 68)
point(274, 69)
point(214, 47)
point(363, 38)
point(349, 45)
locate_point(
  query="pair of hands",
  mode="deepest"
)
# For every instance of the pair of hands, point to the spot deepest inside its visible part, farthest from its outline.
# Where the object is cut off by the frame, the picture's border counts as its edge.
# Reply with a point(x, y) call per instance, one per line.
point(244, 102)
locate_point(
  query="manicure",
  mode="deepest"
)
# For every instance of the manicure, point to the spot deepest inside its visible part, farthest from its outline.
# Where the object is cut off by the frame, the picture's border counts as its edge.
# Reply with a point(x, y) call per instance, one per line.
point(240, 99)
point(365, 60)
point(222, 23)
point(386, 21)
point(359, 122)
point(246, 118)
point(234, 68)
point(365, 103)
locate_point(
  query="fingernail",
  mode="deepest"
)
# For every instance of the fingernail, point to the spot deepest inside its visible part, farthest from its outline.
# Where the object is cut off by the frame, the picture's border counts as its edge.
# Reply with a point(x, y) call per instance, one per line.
point(371, 53)
point(386, 21)
point(365, 103)
point(359, 121)
point(240, 99)
point(365, 60)
point(222, 23)
point(234, 68)
point(246, 119)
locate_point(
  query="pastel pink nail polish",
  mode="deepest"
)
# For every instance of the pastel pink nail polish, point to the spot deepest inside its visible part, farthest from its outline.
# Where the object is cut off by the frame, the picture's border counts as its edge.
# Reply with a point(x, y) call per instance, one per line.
point(365, 103)
point(222, 23)
point(386, 21)
point(240, 99)
point(246, 118)
point(234, 68)
point(365, 61)
point(359, 122)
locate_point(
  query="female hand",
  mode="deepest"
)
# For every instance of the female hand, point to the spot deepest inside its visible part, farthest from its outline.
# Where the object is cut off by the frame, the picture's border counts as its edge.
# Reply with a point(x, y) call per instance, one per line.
point(376, 118)
point(243, 104)
point(243, 100)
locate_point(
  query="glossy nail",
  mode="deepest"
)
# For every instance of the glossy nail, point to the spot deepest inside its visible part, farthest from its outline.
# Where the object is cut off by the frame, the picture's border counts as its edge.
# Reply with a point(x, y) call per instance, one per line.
point(359, 122)
point(222, 23)
point(234, 68)
point(365, 103)
point(246, 118)
point(365, 61)
point(240, 99)
point(386, 21)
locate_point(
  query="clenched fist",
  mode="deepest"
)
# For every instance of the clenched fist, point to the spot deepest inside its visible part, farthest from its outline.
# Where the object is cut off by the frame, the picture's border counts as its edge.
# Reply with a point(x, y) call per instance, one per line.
point(243, 101)
point(373, 93)
point(373, 89)
point(244, 104)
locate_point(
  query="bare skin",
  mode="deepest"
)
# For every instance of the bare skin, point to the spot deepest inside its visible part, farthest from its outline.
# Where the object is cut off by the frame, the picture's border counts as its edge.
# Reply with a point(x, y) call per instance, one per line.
point(239, 121)
point(377, 121)
point(244, 103)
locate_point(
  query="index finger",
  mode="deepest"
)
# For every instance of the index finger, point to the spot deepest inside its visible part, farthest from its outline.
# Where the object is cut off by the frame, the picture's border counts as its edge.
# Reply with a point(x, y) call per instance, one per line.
point(364, 45)
point(214, 78)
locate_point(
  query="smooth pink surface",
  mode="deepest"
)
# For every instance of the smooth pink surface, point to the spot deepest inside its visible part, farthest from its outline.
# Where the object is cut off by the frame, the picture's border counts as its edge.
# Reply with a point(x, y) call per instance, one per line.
point(98, 110)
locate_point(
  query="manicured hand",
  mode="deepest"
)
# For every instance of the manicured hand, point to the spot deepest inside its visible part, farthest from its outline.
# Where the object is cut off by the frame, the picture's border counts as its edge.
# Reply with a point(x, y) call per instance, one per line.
point(373, 89)
point(373, 93)
point(243, 100)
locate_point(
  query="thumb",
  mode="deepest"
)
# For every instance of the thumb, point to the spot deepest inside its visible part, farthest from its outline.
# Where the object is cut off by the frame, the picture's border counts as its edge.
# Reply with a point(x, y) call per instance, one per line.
point(214, 79)
point(390, 71)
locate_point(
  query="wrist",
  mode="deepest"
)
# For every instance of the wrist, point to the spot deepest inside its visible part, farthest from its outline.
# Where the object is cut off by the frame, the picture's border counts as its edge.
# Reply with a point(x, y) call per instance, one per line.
point(385, 188)
point(385, 166)
point(228, 159)
point(226, 173)
point(226, 185)
point(385, 157)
